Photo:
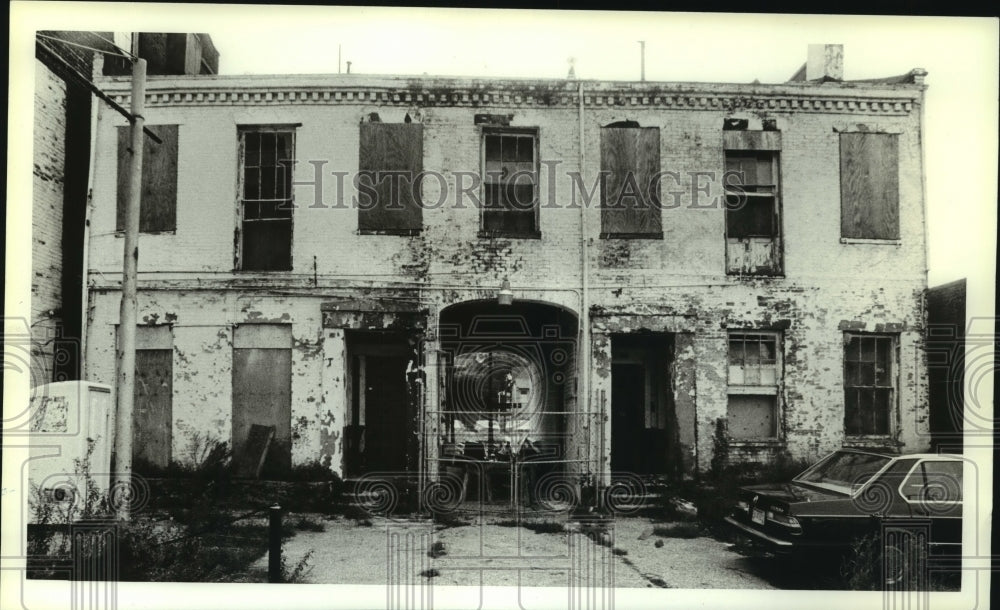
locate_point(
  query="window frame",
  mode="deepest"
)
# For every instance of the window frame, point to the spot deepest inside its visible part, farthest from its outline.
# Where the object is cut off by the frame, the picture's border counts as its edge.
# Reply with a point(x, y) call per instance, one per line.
point(777, 216)
point(744, 389)
point(893, 403)
point(493, 130)
point(241, 220)
point(919, 464)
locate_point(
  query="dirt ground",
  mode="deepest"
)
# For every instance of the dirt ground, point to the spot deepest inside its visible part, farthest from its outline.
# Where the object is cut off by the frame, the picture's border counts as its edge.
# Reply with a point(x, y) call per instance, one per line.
point(502, 553)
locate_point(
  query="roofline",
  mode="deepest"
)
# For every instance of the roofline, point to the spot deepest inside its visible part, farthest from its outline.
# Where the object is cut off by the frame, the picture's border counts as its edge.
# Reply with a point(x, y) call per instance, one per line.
point(333, 81)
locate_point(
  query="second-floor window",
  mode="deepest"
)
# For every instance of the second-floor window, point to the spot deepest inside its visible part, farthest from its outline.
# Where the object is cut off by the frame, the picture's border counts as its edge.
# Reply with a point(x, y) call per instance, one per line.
point(510, 182)
point(390, 159)
point(158, 199)
point(753, 203)
point(265, 235)
point(869, 186)
point(630, 185)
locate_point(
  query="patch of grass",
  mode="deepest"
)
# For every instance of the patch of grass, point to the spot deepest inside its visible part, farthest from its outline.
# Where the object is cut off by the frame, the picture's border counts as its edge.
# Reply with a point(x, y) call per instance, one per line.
point(545, 527)
point(683, 529)
point(308, 524)
point(450, 519)
point(508, 523)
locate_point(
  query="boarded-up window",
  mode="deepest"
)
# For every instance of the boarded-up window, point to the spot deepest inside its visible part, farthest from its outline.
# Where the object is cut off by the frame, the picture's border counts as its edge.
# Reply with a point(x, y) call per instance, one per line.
point(510, 180)
point(390, 160)
point(754, 377)
point(869, 383)
point(630, 185)
point(262, 389)
point(158, 200)
point(152, 424)
point(869, 185)
point(266, 160)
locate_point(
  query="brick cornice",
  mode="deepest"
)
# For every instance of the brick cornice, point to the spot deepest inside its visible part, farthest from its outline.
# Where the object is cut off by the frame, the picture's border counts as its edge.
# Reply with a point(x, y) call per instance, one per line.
point(845, 98)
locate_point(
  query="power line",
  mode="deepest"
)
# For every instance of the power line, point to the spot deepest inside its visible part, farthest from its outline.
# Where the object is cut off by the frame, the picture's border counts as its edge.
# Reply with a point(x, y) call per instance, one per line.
point(120, 52)
point(84, 81)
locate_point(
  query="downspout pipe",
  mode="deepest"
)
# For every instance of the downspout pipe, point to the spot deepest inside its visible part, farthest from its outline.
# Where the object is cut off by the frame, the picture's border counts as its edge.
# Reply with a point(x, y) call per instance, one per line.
point(95, 121)
point(585, 359)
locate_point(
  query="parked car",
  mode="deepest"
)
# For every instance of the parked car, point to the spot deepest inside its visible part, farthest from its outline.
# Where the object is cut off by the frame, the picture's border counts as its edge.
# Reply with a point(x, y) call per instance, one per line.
point(851, 494)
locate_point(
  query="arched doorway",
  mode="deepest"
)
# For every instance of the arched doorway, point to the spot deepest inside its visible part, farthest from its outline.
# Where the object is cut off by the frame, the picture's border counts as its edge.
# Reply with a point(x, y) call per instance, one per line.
point(509, 394)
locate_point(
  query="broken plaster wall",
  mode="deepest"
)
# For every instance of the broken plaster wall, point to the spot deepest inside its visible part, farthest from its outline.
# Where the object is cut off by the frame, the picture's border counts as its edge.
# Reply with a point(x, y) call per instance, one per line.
point(812, 321)
point(201, 324)
point(828, 285)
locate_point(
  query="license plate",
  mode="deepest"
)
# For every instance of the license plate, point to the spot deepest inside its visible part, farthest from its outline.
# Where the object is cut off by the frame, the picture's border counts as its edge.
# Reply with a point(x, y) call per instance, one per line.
point(757, 516)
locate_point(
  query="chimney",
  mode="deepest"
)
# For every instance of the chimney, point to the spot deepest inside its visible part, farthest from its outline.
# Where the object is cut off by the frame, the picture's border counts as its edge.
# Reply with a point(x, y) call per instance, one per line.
point(825, 62)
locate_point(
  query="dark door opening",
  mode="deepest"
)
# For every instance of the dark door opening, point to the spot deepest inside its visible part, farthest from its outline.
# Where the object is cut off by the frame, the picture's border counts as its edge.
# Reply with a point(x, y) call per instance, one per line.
point(378, 435)
point(628, 395)
point(385, 421)
point(644, 431)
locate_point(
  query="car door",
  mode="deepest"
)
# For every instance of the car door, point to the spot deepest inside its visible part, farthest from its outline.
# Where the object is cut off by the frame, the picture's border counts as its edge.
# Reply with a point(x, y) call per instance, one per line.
point(932, 490)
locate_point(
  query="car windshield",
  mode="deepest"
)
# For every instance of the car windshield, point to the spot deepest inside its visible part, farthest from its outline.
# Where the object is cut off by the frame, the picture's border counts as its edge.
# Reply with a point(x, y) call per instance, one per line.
point(844, 469)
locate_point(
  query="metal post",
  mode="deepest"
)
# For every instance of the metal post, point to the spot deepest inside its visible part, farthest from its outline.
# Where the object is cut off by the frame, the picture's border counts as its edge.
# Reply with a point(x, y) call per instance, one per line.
point(274, 545)
point(127, 315)
point(642, 52)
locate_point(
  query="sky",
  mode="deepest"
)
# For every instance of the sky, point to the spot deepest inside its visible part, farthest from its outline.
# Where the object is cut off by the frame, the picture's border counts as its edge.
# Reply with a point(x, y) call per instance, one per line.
point(960, 55)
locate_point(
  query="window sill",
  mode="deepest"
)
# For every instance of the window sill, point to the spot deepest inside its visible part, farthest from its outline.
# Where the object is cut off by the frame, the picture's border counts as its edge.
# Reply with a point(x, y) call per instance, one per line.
point(872, 441)
point(741, 275)
point(755, 442)
point(754, 390)
point(509, 235)
point(165, 232)
point(876, 242)
point(399, 232)
point(632, 235)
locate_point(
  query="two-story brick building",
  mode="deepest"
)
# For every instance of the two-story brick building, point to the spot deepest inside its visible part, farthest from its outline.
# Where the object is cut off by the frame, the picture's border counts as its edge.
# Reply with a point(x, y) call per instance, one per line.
point(632, 275)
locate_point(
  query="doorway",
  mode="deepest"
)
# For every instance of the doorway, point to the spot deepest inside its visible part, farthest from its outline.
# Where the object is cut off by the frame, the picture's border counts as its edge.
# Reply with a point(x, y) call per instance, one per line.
point(378, 434)
point(643, 421)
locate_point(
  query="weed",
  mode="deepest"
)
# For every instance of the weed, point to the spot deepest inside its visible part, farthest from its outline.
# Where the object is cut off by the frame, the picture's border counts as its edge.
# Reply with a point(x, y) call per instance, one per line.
point(430, 573)
point(302, 568)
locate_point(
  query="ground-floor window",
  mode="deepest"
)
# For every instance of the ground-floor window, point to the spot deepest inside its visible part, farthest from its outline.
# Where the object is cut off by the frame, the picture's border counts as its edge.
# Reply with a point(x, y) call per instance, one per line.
point(754, 384)
point(869, 383)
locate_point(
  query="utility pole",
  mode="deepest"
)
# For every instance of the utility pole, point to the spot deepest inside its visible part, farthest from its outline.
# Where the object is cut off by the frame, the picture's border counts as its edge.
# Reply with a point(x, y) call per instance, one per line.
point(129, 306)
